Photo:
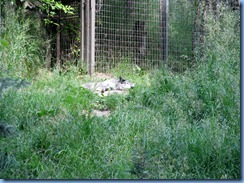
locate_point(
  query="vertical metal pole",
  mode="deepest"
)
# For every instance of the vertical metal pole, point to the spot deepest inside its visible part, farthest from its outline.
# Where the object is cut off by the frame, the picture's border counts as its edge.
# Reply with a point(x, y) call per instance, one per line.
point(161, 30)
point(82, 33)
point(92, 36)
point(85, 32)
point(0, 13)
point(88, 36)
point(167, 33)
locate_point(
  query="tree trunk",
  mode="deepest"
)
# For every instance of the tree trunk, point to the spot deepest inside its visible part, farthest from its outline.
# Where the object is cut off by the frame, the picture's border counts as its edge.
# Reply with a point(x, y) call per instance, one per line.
point(48, 53)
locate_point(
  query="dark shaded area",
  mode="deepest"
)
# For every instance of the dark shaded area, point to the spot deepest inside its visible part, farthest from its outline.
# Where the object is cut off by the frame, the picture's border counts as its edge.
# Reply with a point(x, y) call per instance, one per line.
point(10, 82)
point(6, 130)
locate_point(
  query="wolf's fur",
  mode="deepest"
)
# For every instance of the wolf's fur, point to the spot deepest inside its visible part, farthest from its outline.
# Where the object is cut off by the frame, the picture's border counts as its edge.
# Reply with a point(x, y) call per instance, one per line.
point(109, 85)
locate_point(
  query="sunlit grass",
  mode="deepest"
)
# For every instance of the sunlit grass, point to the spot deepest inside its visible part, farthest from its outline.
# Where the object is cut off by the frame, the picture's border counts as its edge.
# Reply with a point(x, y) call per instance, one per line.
point(170, 126)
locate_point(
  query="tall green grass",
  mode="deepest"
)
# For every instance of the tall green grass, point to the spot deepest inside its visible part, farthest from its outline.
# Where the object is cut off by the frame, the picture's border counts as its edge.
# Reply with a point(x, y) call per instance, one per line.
point(198, 135)
point(24, 52)
point(170, 126)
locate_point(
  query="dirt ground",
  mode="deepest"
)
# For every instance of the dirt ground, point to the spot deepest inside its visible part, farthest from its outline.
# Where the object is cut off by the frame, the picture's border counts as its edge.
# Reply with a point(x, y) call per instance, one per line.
point(104, 76)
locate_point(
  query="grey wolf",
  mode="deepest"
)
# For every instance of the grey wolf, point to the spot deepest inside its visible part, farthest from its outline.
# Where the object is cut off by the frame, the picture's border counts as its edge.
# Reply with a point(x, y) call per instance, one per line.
point(109, 85)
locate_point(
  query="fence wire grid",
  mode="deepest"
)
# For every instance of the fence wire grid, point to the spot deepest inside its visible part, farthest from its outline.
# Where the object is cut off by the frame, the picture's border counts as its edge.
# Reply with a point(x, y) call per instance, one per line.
point(128, 30)
point(148, 33)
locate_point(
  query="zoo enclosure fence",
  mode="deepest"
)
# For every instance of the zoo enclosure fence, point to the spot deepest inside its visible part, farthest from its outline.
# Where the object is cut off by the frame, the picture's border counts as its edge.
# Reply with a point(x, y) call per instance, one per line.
point(148, 33)
point(102, 34)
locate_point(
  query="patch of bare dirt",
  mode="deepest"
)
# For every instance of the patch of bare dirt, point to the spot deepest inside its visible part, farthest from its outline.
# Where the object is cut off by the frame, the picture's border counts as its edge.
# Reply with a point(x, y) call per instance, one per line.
point(99, 113)
point(99, 75)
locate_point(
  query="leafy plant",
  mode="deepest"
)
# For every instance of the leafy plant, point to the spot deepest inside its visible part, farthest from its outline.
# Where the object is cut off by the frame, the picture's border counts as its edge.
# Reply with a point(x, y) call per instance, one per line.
point(50, 7)
point(4, 44)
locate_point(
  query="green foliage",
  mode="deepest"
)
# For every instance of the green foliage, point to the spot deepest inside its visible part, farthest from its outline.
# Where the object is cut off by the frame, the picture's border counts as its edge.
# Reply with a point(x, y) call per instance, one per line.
point(170, 126)
point(4, 44)
point(199, 111)
point(181, 25)
point(50, 7)
point(21, 48)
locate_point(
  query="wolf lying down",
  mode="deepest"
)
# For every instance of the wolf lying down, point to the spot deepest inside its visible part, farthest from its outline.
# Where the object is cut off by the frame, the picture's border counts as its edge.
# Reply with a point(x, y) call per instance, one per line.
point(109, 86)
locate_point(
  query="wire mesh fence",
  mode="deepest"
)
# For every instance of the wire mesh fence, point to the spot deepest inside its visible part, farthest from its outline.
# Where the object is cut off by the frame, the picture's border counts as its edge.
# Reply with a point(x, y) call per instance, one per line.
point(70, 36)
point(129, 30)
point(148, 33)
point(181, 25)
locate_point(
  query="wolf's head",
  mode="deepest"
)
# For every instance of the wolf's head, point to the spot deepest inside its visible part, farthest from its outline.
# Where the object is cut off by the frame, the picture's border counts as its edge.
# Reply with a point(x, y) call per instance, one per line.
point(124, 84)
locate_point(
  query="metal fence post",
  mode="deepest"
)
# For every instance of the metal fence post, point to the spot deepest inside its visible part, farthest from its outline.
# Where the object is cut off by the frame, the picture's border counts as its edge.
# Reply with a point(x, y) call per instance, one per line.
point(87, 34)
point(167, 33)
point(92, 36)
point(0, 13)
point(82, 54)
point(162, 12)
point(163, 32)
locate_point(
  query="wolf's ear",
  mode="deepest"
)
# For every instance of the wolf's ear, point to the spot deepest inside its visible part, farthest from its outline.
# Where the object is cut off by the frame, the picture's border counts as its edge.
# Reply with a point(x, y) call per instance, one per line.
point(121, 79)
